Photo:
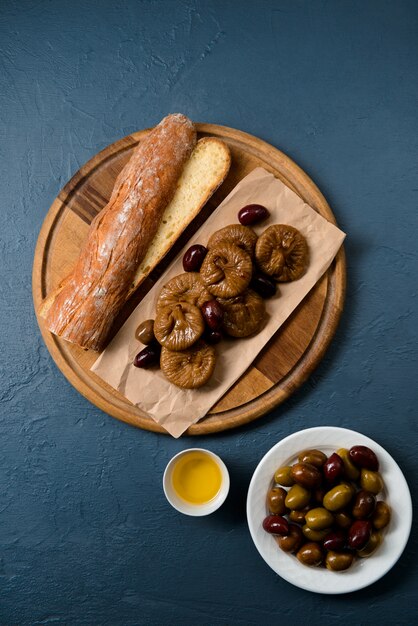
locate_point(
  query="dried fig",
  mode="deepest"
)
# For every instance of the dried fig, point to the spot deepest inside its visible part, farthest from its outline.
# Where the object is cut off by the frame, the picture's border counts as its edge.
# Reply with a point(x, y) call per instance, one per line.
point(282, 252)
point(226, 270)
point(178, 327)
point(190, 368)
point(243, 315)
point(239, 235)
point(187, 287)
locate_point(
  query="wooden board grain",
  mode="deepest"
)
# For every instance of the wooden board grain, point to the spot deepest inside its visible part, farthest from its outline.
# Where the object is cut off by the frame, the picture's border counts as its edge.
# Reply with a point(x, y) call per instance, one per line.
point(289, 357)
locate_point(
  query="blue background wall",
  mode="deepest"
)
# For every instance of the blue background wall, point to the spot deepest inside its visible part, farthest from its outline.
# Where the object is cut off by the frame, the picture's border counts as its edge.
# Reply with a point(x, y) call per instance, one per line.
point(86, 536)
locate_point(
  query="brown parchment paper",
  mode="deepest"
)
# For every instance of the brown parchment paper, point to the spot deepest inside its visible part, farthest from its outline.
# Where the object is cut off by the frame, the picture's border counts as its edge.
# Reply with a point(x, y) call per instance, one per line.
point(176, 409)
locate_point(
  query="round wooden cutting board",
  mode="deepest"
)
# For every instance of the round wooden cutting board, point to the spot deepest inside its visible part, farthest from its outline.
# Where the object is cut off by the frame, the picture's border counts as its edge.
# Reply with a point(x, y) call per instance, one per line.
point(284, 363)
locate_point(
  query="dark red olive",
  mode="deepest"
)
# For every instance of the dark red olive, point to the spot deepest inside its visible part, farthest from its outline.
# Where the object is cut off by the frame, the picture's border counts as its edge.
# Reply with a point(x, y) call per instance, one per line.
point(335, 540)
point(276, 525)
point(318, 495)
point(193, 258)
point(252, 214)
point(263, 285)
point(364, 504)
point(213, 336)
point(333, 468)
point(149, 356)
point(362, 456)
point(212, 314)
point(359, 534)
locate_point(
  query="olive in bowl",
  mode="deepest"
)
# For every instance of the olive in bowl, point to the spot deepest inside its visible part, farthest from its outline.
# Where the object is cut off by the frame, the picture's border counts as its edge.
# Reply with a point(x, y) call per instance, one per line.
point(335, 574)
point(324, 508)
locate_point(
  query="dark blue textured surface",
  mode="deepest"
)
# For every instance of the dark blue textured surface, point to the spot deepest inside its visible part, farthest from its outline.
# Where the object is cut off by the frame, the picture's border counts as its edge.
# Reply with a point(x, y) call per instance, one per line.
point(86, 536)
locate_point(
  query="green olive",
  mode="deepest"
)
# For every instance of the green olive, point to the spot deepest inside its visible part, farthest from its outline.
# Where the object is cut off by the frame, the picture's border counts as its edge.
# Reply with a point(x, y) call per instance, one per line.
point(338, 497)
point(292, 541)
point(338, 561)
point(343, 519)
point(350, 470)
point(298, 516)
point(381, 515)
point(319, 518)
point(310, 554)
point(371, 546)
point(314, 535)
point(275, 501)
point(297, 497)
point(349, 484)
point(314, 457)
point(371, 481)
point(283, 476)
point(145, 332)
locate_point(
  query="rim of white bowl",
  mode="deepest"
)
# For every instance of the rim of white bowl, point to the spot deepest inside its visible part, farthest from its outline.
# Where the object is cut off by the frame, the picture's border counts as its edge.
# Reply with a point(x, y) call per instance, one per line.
point(196, 510)
point(365, 571)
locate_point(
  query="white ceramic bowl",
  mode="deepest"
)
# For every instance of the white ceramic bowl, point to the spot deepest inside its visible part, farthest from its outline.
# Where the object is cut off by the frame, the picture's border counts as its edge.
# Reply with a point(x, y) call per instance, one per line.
point(196, 510)
point(363, 572)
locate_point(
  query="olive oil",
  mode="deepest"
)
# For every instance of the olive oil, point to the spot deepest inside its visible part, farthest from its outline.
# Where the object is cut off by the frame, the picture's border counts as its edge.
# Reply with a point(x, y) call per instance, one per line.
point(196, 477)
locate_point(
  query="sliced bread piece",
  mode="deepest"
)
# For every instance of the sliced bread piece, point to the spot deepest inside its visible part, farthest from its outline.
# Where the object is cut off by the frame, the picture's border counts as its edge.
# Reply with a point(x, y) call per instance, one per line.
point(203, 173)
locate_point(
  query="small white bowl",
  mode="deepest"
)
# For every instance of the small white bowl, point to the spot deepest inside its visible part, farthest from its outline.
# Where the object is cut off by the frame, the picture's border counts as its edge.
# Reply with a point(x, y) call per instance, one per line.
point(363, 572)
point(196, 510)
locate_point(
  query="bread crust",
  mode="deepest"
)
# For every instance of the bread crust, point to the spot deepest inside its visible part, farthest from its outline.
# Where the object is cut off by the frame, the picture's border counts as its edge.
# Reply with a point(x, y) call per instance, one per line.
point(85, 305)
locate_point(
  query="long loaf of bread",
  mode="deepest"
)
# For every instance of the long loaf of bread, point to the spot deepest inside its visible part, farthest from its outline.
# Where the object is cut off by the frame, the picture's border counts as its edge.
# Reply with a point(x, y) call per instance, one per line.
point(87, 302)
